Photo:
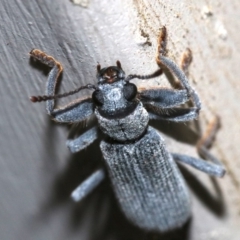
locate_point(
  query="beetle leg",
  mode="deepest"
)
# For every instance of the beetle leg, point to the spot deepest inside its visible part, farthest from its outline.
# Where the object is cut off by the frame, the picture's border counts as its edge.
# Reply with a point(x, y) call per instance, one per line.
point(88, 185)
point(74, 112)
point(210, 168)
point(168, 112)
point(78, 111)
point(207, 140)
point(164, 98)
point(186, 61)
point(56, 70)
point(83, 140)
point(169, 65)
point(167, 98)
point(214, 167)
point(184, 65)
point(172, 114)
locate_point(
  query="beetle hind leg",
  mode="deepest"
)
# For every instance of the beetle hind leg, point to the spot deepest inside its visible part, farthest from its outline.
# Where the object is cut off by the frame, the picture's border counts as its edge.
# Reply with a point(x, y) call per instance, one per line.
point(212, 167)
point(86, 187)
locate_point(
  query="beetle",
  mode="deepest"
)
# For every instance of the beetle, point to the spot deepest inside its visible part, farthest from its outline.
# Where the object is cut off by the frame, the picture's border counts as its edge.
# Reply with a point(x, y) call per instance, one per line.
point(146, 180)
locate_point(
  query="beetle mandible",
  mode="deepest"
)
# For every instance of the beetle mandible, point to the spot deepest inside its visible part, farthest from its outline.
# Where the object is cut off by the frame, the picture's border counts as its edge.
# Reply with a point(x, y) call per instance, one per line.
point(146, 180)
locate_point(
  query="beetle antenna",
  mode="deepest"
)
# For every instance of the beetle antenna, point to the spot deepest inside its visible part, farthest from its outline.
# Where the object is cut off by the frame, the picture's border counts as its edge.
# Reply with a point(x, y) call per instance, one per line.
point(47, 97)
point(119, 64)
point(153, 75)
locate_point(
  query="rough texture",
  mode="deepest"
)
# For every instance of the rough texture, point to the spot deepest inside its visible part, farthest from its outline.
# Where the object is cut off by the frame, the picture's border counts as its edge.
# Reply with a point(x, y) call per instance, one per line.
point(38, 173)
point(128, 128)
point(147, 182)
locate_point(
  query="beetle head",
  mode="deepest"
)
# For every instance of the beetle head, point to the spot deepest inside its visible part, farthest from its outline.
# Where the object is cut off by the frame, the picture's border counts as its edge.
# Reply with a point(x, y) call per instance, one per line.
point(110, 74)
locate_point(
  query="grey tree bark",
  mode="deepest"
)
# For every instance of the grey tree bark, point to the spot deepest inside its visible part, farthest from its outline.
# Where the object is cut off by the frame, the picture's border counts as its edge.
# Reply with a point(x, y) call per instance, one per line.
point(36, 170)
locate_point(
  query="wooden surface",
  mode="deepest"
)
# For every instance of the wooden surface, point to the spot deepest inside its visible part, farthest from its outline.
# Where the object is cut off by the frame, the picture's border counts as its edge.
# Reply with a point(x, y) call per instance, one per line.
point(38, 173)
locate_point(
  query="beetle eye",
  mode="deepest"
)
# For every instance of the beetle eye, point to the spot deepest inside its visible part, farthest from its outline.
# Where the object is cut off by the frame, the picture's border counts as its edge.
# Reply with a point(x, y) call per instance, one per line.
point(130, 91)
point(97, 97)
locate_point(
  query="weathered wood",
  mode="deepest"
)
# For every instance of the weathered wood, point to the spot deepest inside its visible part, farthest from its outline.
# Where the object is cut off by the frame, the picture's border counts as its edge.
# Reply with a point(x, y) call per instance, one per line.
point(36, 170)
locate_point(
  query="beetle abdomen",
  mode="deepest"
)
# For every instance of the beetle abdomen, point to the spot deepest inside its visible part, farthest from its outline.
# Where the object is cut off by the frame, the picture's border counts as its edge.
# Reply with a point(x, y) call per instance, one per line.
point(147, 182)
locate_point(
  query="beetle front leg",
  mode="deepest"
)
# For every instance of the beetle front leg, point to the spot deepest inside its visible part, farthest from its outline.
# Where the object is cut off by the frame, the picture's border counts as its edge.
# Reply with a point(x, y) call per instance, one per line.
point(168, 98)
point(83, 140)
point(52, 77)
point(88, 185)
point(172, 114)
point(76, 111)
point(161, 110)
point(169, 65)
